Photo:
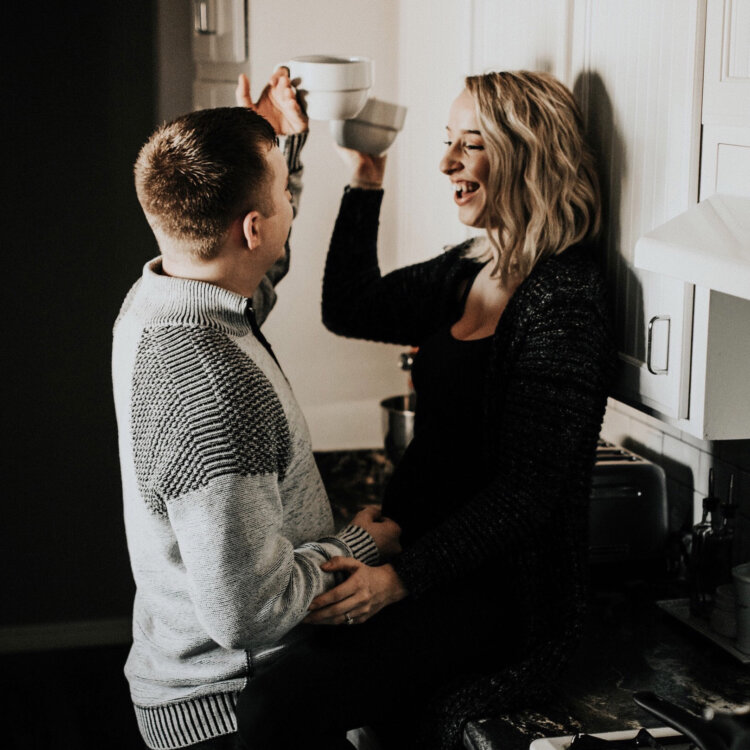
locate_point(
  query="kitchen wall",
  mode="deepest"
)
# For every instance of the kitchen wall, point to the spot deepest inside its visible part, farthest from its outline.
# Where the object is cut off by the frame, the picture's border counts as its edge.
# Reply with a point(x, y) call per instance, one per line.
point(339, 383)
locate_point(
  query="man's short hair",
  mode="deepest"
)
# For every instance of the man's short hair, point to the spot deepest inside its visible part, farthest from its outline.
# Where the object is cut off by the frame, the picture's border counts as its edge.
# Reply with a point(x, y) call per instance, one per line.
point(198, 173)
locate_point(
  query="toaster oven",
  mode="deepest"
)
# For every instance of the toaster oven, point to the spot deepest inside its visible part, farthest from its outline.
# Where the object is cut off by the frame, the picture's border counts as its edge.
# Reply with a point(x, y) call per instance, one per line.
point(628, 520)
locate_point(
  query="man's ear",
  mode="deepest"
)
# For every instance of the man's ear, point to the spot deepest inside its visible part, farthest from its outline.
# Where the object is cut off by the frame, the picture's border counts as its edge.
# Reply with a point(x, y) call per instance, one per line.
point(251, 229)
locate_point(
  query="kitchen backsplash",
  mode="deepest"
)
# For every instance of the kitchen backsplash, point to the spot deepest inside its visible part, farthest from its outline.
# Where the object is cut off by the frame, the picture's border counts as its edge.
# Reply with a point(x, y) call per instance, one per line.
point(686, 461)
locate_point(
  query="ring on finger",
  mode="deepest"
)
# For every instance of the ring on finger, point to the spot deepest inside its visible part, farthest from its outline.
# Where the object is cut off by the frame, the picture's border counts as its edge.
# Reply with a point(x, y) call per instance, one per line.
point(349, 619)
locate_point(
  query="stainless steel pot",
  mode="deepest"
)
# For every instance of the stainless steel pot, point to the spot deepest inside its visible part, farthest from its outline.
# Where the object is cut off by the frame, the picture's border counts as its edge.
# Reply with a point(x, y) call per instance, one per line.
point(398, 424)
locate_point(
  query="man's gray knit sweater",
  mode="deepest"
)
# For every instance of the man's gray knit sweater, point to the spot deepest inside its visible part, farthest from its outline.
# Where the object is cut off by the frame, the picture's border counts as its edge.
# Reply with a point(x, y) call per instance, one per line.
point(227, 519)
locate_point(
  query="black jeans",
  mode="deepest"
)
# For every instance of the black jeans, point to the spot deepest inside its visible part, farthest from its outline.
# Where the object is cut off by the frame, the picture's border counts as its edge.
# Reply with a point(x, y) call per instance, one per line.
point(380, 674)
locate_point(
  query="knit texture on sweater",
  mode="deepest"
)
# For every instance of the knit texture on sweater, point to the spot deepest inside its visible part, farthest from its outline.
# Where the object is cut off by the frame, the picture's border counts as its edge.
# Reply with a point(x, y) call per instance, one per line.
point(545, 392)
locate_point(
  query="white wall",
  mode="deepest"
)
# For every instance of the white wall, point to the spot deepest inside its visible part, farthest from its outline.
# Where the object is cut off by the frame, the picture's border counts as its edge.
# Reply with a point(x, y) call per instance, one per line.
point(338, 382)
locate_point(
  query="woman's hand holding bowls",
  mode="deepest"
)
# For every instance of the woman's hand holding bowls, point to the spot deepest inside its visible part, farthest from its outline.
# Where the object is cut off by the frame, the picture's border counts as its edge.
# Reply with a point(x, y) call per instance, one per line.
point(277, 103)
point(364, 593)
point(367, 170)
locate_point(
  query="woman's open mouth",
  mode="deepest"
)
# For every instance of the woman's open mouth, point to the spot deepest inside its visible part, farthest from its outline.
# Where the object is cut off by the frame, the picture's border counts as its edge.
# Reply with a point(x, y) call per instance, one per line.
point(463, 191)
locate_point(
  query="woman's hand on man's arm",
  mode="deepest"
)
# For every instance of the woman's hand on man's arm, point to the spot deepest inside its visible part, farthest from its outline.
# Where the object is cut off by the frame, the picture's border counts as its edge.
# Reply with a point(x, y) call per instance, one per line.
point(384, 531)
point(364, 593)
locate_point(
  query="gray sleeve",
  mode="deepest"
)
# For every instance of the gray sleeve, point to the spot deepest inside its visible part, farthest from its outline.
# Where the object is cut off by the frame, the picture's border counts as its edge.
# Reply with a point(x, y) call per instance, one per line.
point(248, 583)
point(264, 297)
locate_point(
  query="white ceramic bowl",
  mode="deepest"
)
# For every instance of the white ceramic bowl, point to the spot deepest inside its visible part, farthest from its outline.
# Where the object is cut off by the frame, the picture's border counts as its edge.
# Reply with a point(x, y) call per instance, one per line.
point(332, 105)
point(373, 129)
point(330, 73)
point(331, 88)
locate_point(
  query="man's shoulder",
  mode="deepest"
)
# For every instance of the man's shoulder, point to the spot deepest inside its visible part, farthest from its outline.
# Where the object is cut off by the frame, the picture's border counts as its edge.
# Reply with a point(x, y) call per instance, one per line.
point(127, 302)
point(201, 408)
point(185, 359)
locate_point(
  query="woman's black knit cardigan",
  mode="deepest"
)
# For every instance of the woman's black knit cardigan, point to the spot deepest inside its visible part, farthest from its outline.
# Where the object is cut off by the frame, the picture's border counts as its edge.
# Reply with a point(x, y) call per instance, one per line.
point(545, 393)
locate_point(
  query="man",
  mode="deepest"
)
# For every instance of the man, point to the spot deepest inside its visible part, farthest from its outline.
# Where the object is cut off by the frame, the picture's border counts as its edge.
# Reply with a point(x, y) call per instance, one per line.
point(221, 492)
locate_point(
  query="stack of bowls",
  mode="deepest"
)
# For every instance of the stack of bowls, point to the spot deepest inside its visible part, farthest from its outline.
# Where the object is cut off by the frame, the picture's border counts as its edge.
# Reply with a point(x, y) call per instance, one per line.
point(372, 130)
point(331, 88)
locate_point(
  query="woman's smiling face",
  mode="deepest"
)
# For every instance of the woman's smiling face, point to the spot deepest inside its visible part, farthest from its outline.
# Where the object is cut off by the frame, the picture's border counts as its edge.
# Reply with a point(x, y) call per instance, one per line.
point(465, 161)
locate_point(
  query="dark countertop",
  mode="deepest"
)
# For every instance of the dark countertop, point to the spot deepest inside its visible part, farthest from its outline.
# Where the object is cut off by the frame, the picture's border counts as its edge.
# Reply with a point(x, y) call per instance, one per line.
point(353, 479)
point(629, 644)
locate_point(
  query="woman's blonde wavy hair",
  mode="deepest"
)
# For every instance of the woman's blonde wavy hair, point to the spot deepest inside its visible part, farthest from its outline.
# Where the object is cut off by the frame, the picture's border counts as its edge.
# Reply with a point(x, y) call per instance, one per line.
point(542, 191)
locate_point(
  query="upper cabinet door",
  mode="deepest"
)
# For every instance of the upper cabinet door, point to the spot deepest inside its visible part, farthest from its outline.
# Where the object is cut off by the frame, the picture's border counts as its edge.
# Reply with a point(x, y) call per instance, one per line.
point(725, 161)
point(726, 95)
point(636, 70)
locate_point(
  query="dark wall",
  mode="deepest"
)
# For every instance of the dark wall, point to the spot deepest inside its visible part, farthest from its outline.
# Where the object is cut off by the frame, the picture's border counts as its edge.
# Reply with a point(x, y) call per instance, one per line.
point(78, 102)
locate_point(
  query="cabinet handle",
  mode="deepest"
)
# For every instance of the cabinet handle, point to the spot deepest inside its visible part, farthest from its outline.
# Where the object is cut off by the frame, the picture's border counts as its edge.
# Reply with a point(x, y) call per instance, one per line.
point(651, 322)
point(204, 16)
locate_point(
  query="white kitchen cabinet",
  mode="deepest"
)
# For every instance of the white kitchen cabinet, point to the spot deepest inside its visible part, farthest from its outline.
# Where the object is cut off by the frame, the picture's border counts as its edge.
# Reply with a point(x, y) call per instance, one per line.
point(725, 161)
point(725, 157)
point(720, 396)
point(726, 90)
point(708, 244)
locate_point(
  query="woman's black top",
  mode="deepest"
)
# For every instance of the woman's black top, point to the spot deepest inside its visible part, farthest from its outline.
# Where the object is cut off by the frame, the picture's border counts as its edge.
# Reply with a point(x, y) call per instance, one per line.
point(440, 468)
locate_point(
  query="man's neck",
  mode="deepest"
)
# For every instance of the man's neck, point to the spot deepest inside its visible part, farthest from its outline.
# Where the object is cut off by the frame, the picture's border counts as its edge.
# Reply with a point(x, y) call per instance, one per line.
point(226, 271)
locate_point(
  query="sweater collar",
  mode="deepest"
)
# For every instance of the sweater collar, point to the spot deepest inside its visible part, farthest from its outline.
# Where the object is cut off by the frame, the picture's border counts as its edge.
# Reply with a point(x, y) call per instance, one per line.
point(172, 300)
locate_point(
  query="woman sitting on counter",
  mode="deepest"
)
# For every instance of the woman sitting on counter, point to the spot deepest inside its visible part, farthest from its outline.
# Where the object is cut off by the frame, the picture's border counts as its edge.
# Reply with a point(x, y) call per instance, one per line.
point(483, 606)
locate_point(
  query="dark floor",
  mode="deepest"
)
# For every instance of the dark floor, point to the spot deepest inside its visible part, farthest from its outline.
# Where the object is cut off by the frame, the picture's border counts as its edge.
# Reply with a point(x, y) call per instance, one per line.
point(73, 699)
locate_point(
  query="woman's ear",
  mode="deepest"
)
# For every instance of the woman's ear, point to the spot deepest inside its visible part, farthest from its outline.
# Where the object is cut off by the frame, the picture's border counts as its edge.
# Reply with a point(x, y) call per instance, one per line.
point(251, 229)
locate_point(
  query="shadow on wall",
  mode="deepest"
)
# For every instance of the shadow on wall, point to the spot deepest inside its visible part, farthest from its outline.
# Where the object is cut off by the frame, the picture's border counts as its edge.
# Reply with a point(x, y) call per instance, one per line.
point(611, 158)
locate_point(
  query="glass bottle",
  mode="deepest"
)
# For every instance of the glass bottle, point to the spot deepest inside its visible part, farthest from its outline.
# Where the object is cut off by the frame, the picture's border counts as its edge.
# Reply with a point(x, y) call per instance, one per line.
point(724, 538)
point(701, 554)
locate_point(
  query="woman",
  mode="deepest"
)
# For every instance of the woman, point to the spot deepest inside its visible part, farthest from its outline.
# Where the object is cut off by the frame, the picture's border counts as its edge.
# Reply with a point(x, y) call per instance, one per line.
point(482, 607)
